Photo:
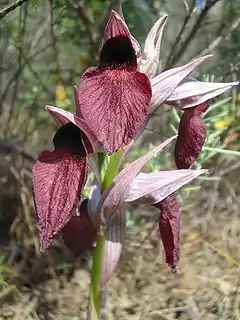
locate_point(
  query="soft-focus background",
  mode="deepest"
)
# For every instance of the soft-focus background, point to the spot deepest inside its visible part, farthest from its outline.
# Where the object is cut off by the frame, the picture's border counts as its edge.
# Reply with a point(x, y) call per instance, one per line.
point(44, 48)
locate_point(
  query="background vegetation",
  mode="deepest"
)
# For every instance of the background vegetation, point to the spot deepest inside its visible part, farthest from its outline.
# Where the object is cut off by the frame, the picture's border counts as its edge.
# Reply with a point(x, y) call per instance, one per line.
point(44, 48)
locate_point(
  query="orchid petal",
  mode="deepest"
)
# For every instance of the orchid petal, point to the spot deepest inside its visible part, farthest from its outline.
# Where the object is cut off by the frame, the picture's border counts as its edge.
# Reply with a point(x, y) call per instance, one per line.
point(58, 178)
point(120, 9)
point(62, 117)
point(165, 83)
point(151, 188)
point(150, 63)
point(191, 92)
point(169, 227)
point(116, 26)
point(118, 191)
point(114, 103)
point(79, 233)
point(77, 105)
point(113, 245)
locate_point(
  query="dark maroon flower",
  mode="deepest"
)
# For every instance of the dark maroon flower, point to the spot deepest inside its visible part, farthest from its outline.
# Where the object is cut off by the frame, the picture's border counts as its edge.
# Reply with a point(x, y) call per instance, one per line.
point(191, 136)
point(169, 227)
point(58, 178)
point(114, 97)
point(79, 233)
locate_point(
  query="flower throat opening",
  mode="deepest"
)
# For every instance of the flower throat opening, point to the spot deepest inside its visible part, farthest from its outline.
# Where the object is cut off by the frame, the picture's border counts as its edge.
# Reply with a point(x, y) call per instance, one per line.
point(118, 52)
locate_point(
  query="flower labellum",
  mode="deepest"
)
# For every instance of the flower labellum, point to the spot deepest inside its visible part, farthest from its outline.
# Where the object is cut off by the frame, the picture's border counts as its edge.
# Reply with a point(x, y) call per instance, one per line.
point(114, 97)
point(169, 226)
point(58, 178)
point(191, 136)
point(79, 233)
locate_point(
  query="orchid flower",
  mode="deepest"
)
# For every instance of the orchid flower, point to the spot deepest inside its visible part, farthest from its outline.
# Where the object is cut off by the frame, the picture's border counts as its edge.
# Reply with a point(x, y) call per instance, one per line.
point(113, 104)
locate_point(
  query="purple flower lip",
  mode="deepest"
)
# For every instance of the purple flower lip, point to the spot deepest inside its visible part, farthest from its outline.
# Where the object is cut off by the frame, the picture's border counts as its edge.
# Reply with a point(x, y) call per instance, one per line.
point(79, 233)
point(58, 178)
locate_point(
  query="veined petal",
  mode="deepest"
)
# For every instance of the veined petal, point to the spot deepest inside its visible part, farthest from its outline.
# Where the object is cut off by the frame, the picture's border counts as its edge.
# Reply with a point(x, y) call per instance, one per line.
point(79, 233)
point(165, 83)
point(151, 188)
point(154, 35)
point(115, 234)
point(116, 26)
point(114, 103)
point(63, 117)
point(120, 9)
point(58, 178)
point(169, 227)
point(118, 191)
point(150, 62)
point(191, 92)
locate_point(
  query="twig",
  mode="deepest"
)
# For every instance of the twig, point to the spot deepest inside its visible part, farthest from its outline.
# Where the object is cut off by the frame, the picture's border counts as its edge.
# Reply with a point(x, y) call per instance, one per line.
point(22, 29)
point(18, 73)
point(11, 147)
point(89, 26)
point(11, 7)
point(54, 39)
point(179, 36)
point(193, 33)
point(217, 41)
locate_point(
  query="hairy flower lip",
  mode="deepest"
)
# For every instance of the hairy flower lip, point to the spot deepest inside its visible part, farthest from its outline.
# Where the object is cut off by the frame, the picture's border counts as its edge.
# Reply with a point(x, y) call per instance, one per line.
point(56, 202)
point(114, 102)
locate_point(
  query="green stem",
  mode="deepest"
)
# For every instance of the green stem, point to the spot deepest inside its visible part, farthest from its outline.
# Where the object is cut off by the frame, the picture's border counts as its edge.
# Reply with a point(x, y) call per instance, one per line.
point(95, 293)
point(108, 168)
point(112, 169)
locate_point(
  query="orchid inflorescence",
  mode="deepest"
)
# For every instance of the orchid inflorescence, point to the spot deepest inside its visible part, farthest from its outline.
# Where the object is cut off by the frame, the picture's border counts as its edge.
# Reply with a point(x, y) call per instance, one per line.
point(113, 105)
